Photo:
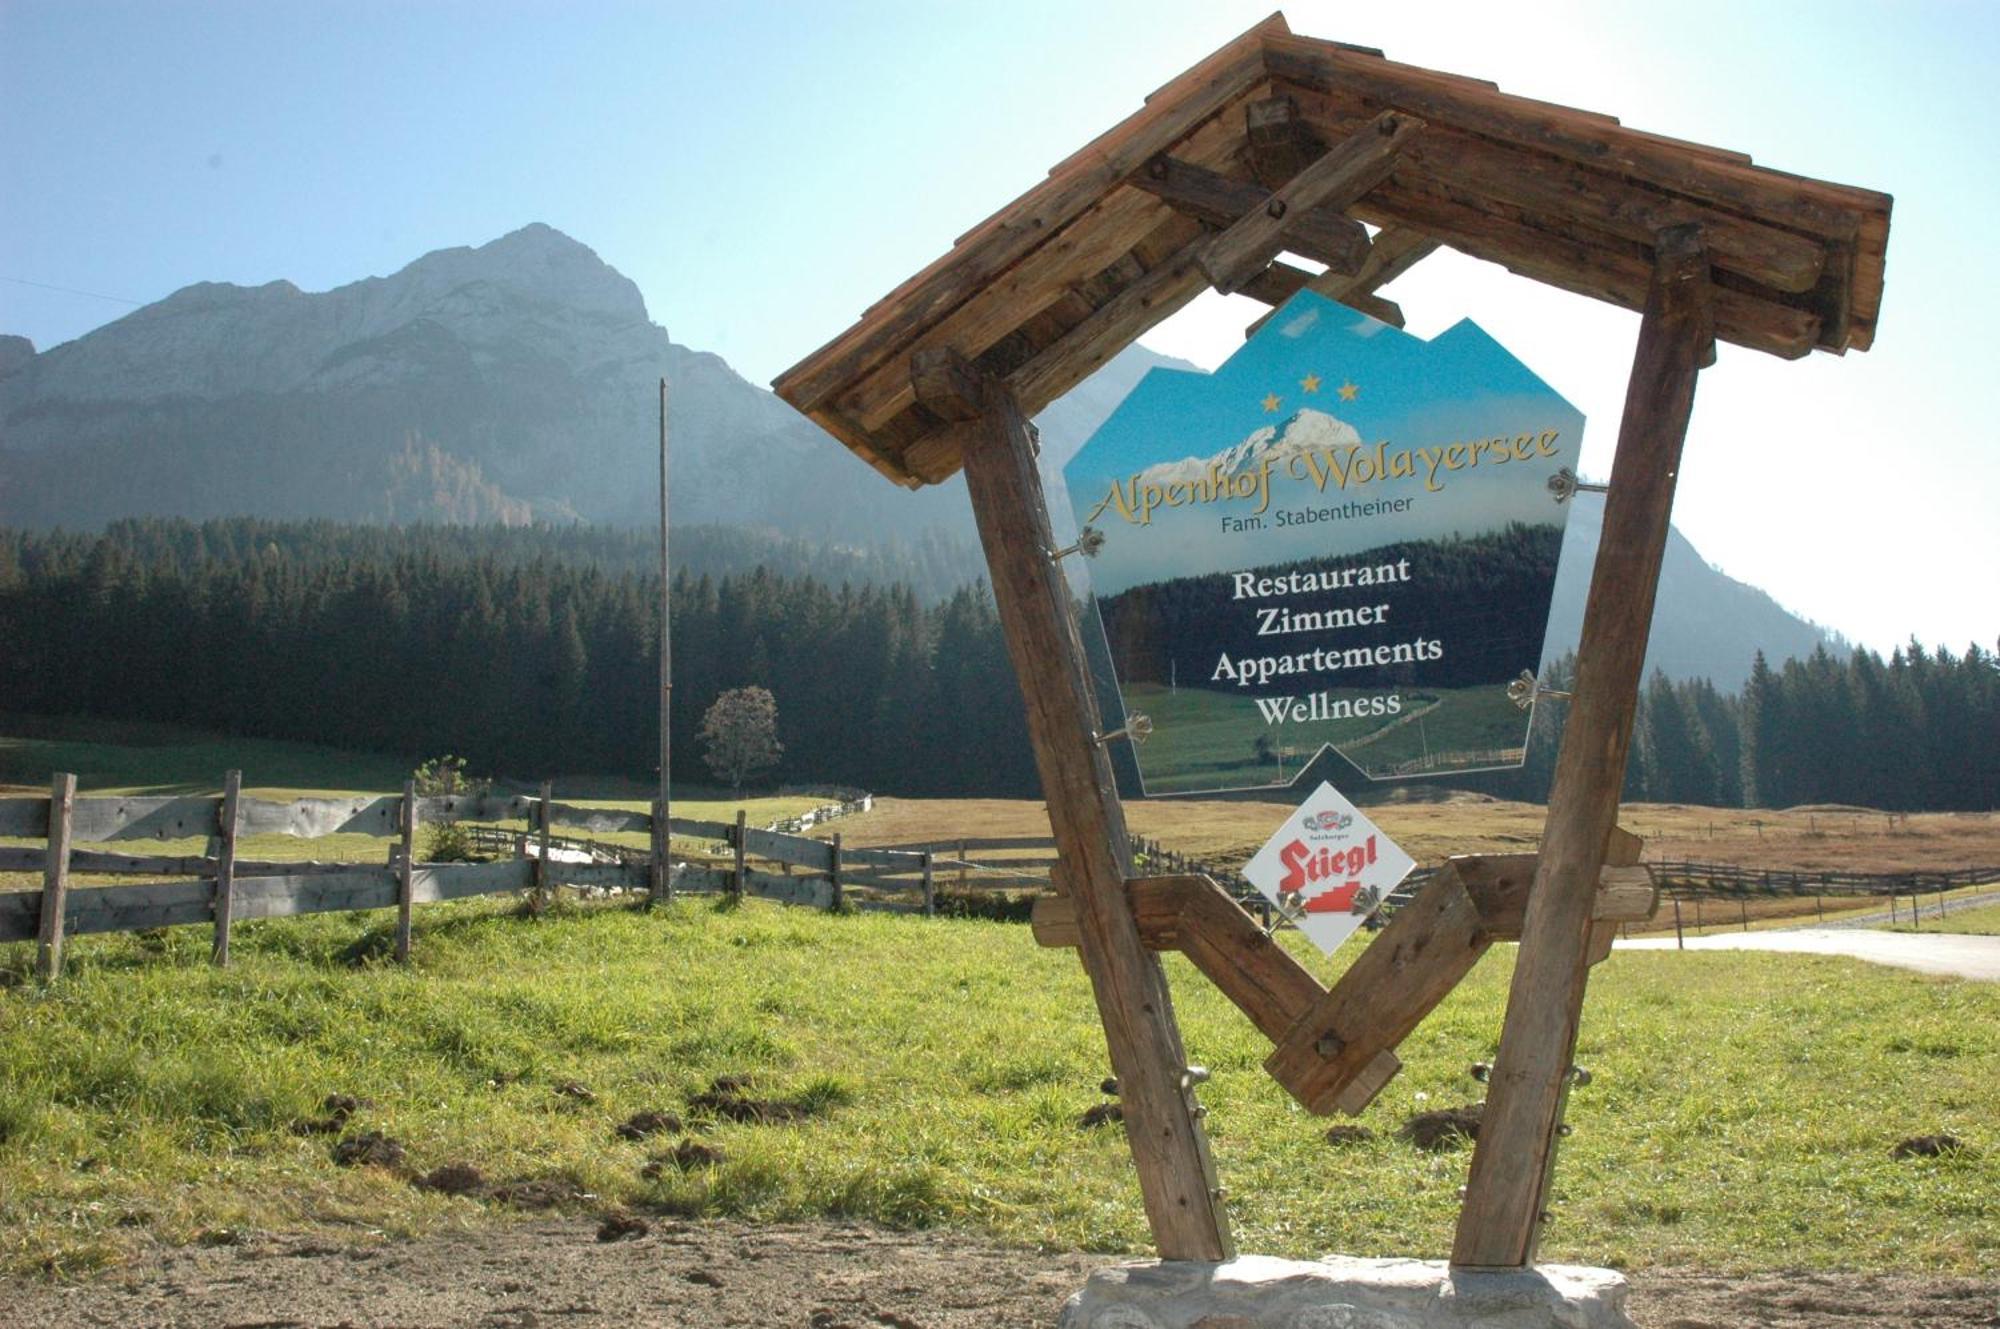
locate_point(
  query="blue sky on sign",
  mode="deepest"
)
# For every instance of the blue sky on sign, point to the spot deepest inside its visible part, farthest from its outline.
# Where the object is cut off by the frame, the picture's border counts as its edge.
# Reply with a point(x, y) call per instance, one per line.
point(1388, 386)
point(765, 171)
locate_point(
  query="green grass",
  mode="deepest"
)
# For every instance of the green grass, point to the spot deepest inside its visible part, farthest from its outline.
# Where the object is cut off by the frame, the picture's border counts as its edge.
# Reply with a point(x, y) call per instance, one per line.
point(1742, 1114)
point(1977, 921)
point(128, 758)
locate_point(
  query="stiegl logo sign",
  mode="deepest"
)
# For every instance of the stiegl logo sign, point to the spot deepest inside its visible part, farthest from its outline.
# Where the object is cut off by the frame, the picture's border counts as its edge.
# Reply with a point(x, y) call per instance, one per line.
point(1328, 867)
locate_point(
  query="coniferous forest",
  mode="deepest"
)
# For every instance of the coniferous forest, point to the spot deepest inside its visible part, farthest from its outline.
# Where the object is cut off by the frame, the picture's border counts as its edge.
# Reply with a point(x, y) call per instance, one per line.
point(533, 652)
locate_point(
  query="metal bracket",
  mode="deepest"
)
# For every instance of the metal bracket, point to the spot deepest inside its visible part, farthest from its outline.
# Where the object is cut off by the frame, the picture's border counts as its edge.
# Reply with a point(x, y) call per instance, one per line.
point(1563, 486)
point(1138, 728)
point(1523, 691)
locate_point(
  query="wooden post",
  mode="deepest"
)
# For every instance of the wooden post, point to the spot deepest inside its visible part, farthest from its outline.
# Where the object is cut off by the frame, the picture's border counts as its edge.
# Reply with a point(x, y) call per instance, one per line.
point(55, 878)
point(1506, 1193)
point(736, 842)
point(663, 882)
point(406, 871)
point(1743, 908)
point(930, 886)
point(225, 866)
point(1680, 942)
point(838, 901)
point(1169, 1147)
point(963, 871)
point(542, 863)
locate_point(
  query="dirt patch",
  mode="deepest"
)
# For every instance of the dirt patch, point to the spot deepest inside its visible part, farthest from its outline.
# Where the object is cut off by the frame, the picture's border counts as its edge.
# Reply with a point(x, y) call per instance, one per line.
point(1446, 1128)
point(335, 1110)
point(453, 1179)
point(1342, 1136)
point(560, 1191)
point(686, 1156)
point(555, 1272)
point(1104, 1114)
point(369, 1149)
point(1927, 1146)
point(729, 1097)
point(642, 1124)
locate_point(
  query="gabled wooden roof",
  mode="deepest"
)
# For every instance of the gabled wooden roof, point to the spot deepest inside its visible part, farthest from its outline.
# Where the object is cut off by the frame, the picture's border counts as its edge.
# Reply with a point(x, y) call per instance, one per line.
point(1278, 142)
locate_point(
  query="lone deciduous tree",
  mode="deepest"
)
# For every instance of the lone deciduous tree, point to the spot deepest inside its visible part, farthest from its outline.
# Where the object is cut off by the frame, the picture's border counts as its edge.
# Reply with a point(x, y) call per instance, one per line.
point(739, 734)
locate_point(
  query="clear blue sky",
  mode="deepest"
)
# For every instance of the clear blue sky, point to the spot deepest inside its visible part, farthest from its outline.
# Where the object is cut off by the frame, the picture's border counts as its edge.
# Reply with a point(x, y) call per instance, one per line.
point(765, 171)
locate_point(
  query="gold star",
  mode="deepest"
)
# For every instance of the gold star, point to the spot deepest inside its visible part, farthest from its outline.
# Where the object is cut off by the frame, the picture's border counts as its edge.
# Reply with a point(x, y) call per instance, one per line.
point(1272, 402)
point(1348, 392)
point(1310, 383)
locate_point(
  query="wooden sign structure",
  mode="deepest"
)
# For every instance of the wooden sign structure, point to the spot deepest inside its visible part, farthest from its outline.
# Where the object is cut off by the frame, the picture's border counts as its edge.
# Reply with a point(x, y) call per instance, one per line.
point(1282, 144)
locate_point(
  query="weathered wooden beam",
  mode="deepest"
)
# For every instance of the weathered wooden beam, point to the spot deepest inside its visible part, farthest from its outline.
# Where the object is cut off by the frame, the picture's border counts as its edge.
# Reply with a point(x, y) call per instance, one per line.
point(1004, 239)
point(1350, 169)
point(946, 384)
point(1322, 233)
point(1098, 238)
point(1499, 1223)
point(1394, 252)
point(55, 878)
point(225, 865)
point(1819, 208)
point(1163, 1130)
point(1281, 281)
point(1619, 276)
point(1194, 915)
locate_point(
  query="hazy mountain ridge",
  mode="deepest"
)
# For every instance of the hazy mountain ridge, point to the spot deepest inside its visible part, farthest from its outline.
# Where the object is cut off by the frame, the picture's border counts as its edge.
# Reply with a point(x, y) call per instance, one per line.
point(517, 381)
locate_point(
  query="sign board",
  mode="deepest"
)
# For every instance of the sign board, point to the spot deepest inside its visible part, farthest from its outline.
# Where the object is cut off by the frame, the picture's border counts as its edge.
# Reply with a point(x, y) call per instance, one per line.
point(1329, 867)
point(1344, 537)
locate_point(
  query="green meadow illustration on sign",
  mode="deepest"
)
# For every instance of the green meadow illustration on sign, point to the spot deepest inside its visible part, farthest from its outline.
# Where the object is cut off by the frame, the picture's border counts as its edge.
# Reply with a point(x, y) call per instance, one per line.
point(1344, 537)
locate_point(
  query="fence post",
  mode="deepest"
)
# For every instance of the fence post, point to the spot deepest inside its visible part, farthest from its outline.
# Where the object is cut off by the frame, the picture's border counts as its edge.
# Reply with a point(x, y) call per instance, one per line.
point(961, 868)
point(55, 878)
point(930, 887)
point(839, 900)
point(542, 863)
point(1916, 912)
point(1743, 907)
point(663, 886)
point(1697, 916)
point(736, 842)
point(1680, 942)
point(406, 871)
point(225, 867)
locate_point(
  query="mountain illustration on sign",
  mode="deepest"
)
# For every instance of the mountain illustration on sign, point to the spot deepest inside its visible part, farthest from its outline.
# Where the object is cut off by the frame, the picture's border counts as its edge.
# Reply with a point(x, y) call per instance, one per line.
point(1278, 444)
point(1365, 578)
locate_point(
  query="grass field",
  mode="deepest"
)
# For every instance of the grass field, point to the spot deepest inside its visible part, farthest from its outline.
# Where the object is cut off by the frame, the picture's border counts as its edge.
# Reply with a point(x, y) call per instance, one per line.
point(1742, 1114)
point(1979, 921)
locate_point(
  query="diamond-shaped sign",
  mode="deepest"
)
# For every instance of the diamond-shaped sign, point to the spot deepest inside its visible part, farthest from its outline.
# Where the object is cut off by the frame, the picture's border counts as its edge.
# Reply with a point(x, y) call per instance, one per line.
point(1328, 867)
point(1344, 537)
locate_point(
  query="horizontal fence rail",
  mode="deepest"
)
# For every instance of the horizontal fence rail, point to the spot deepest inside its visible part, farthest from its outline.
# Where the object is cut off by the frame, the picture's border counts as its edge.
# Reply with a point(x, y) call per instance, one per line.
point(964, 875)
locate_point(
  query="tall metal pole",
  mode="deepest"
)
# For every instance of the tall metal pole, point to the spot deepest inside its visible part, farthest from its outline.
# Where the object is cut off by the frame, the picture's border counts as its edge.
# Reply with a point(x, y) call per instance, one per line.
point(664, 888)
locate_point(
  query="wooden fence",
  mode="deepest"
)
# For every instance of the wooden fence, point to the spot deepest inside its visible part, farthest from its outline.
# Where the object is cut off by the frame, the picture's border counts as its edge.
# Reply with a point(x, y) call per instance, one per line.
point(219, 887)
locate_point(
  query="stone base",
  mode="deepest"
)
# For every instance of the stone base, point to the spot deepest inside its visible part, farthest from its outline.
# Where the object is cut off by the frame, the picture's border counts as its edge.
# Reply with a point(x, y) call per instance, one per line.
point(1260, 1292)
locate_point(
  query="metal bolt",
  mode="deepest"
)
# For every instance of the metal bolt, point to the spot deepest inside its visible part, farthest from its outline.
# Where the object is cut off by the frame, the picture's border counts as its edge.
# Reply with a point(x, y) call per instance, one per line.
point(1329, 1045)
point(1088, 542)
point(1193, 1076)
point(1545, 1217)
point(1138, 728)
point(1482, 1071)
point(1110, 1086)
point(1220, 1192)
point(1565, 1130)
point(1579, 1076)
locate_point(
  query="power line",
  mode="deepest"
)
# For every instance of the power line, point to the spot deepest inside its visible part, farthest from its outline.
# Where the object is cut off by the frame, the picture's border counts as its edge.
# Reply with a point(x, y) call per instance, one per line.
point(71, 290)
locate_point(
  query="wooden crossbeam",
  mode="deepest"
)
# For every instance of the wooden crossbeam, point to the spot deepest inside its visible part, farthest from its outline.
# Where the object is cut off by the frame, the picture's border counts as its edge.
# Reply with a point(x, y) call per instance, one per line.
point(1325, 187)
point(1281, 281)
point(1322, 234)
point(1335, 1049)
point(1396, 250)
